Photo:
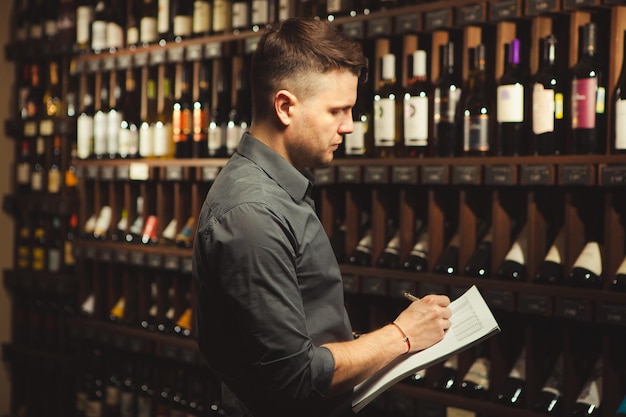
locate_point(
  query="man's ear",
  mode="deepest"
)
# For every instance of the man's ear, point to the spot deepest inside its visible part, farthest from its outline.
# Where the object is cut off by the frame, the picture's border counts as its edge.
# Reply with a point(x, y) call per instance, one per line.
point(284, 101)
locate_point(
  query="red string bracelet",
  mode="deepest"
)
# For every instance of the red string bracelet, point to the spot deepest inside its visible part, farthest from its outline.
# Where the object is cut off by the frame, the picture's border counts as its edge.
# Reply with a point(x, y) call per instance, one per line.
point(405, 337)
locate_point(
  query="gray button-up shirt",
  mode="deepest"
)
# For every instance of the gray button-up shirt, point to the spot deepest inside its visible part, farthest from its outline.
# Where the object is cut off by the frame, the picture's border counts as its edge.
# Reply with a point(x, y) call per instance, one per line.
point(269, 287)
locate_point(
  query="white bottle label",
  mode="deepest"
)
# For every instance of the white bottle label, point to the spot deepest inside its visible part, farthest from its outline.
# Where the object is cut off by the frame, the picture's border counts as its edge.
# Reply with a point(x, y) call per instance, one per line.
point(556, 249)
point(239, 14)
point(260, 12)
point(84, 16)
point(148, 30)
point(115, 36)
point(114, 120)
point(146, 140)
point(215, 139)
point(510, 104)
point(519, 368)
point(415, 120)
point(384, 122)
point(518, 251)
point(22, 173)
point(201, 16)
point(163, 17)
point(233, 135)
point(355, 141)
point(365, 244)
point(100, 132)
point(543, 109)
point(621, 270)
point(591, 393)
point(84, 136)
point(620, 124)
point(162, 139)
point(479, 372)
point(182, 25)
point(99, 35)
point(393, 246)
point(590, 258)
point(421, 246)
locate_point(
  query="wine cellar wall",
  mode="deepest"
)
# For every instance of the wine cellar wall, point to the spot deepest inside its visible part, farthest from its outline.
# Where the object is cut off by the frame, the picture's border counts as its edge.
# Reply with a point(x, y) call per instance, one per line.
point(489, 149)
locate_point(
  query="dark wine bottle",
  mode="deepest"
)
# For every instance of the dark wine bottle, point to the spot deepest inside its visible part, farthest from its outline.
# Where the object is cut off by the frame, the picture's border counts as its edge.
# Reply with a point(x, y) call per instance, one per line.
point(360, 142)
point(588, 96)
point(448, 262)
point(477, 108)
point(550, 399)
point(587, 269)
point(548, 123)
point(362, 253)
point(512, 392)
point(513, 268)
point(618, 122)
point(446, 97)
point(390, 257)
point(418, 257)
point(387, 110)
point(182, 115)
point(479, 264)
point(590, 398)
point(550, 270)
point(512, 104)
point(447, 377)
point(475, 383)
point(619, 282)
point(416, 101)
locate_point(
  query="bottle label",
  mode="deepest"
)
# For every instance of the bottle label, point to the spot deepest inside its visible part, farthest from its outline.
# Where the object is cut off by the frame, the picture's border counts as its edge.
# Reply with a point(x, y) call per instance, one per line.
point(98, 35)
point(393, 246)
point(54, 260)
point(36, 181)
point(584, 103)
point(114, 121)
point(112, 397)
point(68, 253)
point(132, 36)
point(556, 249)
point(260, 12)
point(421, 246)
point(476, 133)
point(479, 373)
point(200, 122)
point(103, 221)
point(233, 135)
point(84, 136)
point(146, 140)
point(221, 15)
point(162, 139)
point(445, 107)
point(181, 124)
point(621, 270)
point(590, 258)
point(333, 6)
point(148, 30)
point(144, 406)
point(543, 109)
point(163, 17)
point(93, 409)
point(240, 14)
point(416, 121)
point(365, 244)
point(284, 9)
point(182, 25)
point(384, 122)
point(518, 251)
point(620, 124)
point(125, 138)
point(355, 141)
point(127, 404)
point(519, 368)
point(201, 16)
point(54, 181)
point(100, 133)
point(510, 103)
point(22, 173)
point(215, 139)
point(114, 36)
point(591, 393)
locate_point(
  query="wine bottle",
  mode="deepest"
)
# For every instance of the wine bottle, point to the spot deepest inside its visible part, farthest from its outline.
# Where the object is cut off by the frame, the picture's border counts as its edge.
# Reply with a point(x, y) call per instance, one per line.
point(131, 31)
point(447, 377)
point(120, 228)
point(512, 104)
point(164, 21)
point(148, 116)
point(182, 19)
point(148, 322)
point(116, 25)
point(475, 383)
point(262, 14)
point(128, 391)
point(163, 143)
point(512, 391)
point(103, 222)
point(417, 97)
point(85, 128)
point(184, 237)
point(590, 398)
point(477, 111)
point(23, 167)
point(513, 268)
point(587, 269)
point(149, 232)
point(239, 115)
point(55, 179)
point(619, 282)
point(35, 97)
point(550, 399)
point(446, 98)
point(52, 101)
point(550, 270)
point(148, 22)
point(362, 254)
point(38, 173)
point(182, 115)
point(136, 227)
point(128, 130)
point(618, 122)
point(222, 19)
point(548, 123)
point(588, 96)
point(55, 250)
point(169, 233)
point(100, 118)
point(479, 263)
point(390, 257)
point(165, 324)
point(418, 256)
point(448, 262)
point(84, 17)
point(387, 110)
point(116, 314)
point(68, 244)
point(113, 387)
point(115, 115)
point(99, 27)
point(200, 114)
point(360, 142)
point(95, 398)
point(240, 15)
point(24, 245)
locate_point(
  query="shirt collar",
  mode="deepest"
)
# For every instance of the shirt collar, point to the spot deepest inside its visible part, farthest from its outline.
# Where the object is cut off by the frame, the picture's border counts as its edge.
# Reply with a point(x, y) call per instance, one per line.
point(297, 183)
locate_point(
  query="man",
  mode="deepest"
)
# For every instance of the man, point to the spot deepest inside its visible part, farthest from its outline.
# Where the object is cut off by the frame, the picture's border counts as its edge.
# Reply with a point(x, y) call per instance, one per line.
point(271, 321)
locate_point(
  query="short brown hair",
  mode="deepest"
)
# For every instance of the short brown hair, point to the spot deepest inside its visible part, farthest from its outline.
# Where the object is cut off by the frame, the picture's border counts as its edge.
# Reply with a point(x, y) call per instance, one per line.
point(293, 50)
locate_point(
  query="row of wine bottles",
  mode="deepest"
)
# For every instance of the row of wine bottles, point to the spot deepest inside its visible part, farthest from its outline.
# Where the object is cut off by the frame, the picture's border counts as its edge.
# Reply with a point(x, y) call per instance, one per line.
point(475, 383)
point(143, 229)
point(45, 242)
point(549, 112)
point(586, 270)
point(95, 26)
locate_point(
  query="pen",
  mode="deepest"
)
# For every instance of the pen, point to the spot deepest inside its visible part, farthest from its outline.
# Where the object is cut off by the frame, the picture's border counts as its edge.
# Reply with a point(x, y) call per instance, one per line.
point(410, 296)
